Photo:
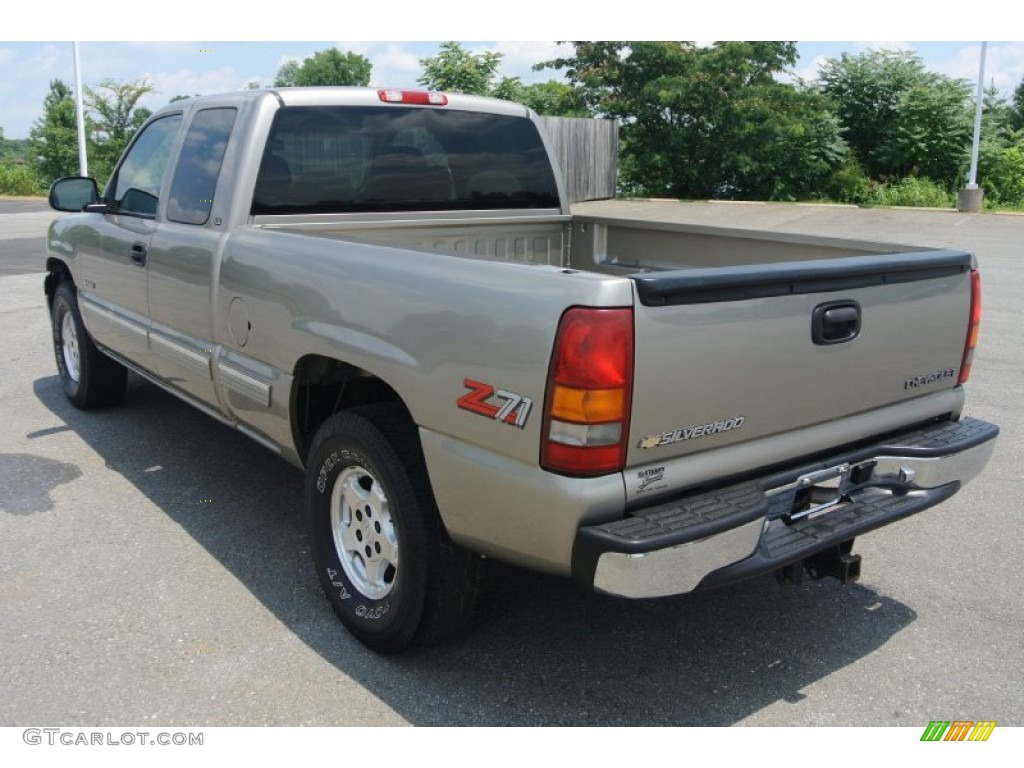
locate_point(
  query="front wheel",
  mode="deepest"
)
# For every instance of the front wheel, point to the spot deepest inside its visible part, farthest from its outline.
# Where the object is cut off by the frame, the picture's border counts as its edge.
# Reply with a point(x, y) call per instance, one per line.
point(90, 379)
point(385, 561)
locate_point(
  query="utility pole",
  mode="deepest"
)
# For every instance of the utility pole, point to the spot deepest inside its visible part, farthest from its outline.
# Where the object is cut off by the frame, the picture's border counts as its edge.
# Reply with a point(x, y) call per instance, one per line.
point(970, 198)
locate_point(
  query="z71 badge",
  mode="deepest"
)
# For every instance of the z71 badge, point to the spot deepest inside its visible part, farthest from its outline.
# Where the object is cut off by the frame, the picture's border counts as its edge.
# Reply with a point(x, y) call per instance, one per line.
point(512, 409)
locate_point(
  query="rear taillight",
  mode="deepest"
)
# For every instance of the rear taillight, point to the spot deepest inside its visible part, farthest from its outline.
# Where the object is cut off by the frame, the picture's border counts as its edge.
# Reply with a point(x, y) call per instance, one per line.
point(432, 98)
point(972, 329)
point(590, 383)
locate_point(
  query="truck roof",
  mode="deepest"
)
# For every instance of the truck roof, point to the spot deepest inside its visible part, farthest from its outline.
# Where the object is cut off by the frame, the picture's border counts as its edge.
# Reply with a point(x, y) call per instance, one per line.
point(323, 96)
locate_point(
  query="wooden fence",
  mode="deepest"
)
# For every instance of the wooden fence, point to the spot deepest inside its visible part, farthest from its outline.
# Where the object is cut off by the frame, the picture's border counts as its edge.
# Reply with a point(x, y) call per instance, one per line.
point(587, 151)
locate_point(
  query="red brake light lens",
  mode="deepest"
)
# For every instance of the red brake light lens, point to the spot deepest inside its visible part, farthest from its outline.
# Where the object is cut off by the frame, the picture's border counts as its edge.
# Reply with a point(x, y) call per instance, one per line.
point(586, 414)
point(590, 352)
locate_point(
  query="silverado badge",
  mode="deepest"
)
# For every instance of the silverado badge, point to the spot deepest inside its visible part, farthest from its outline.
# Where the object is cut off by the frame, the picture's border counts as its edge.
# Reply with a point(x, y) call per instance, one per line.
point(692, 432)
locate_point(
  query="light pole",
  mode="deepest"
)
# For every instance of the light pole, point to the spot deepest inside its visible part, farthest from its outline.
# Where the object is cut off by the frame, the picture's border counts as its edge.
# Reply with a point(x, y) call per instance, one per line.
point(970, 198)
point(83, 163)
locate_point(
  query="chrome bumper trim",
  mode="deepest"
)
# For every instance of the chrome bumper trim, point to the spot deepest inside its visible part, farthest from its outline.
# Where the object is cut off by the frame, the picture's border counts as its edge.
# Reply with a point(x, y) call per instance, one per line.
point(682, 567)
point(674, 570)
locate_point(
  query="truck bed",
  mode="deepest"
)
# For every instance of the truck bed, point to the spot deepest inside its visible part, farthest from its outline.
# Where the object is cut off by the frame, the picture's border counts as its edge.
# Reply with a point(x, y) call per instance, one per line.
point(723, 322)
point(607, 244)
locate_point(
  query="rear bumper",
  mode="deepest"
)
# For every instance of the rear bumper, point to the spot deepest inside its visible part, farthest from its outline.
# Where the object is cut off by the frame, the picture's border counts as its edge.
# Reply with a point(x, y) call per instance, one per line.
point(759, 525)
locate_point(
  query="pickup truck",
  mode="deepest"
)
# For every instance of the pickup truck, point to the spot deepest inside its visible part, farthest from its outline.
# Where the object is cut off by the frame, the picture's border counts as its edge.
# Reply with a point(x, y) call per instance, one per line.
point(388, 289)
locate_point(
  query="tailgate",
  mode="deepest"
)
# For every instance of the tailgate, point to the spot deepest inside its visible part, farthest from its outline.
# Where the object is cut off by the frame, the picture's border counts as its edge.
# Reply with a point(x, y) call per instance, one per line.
point(723, 356)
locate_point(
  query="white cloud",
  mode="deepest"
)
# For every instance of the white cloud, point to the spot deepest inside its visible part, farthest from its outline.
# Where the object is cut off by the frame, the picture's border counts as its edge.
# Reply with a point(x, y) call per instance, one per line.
point(1004, 64)
point(394, 64)
point(166, 48)
point(362, 47)
point(26, 81)
point(807, 72)
point(518, 59)
point(286, 57)
point(187, 82)
point(18, 119)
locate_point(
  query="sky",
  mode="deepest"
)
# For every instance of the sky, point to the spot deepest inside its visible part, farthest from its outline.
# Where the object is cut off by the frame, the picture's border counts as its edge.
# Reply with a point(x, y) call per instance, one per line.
point(180, 65)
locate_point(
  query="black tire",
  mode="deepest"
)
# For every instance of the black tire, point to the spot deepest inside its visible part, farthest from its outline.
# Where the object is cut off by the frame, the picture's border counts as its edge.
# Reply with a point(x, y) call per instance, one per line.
point(90, 379)
point(388, 567)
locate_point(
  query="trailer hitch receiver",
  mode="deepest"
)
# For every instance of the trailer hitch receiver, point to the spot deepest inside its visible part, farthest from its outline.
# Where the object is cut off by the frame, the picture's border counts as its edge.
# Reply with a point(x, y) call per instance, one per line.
point(838, 562)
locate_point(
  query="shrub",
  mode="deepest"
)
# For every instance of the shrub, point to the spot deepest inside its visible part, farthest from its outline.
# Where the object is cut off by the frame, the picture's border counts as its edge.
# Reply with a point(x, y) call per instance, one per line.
point(913, 191)
point(1001, 175)
point(849, 184)
point(18, 180)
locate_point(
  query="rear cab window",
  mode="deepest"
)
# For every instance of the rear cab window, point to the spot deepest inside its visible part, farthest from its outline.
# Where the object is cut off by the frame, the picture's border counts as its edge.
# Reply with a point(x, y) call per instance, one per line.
point(199, 162)
point(392, 159)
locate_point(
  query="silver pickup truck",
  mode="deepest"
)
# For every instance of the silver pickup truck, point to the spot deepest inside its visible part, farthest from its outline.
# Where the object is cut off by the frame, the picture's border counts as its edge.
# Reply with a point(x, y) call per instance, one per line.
point(388, 289)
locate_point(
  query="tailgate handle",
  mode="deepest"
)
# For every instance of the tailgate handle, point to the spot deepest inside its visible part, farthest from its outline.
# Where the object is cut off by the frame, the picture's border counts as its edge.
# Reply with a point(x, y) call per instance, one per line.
point(835, 322)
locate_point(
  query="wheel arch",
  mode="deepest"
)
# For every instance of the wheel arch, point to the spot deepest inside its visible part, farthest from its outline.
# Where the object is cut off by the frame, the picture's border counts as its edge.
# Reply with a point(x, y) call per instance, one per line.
point(57, 272)
point(323, 386)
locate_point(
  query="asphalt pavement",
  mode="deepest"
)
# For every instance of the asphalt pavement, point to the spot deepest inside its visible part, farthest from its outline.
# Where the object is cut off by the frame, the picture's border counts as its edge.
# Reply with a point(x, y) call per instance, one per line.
point(23, 225)
point(154, 568)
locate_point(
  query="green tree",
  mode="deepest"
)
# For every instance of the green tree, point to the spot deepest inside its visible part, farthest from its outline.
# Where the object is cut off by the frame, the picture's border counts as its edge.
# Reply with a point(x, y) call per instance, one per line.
point(15, 177)
point(54, 136)
point(997, 111)
point(456, 70)
point(708, 121)
point(786, 145)
point(1018, 106)
point(459, 71)
point(114, 117)
point(1001, 170)
point(287, 74)
point(1001, 154)
point(14, 150)
point(547, 98)
point(329, 67)
point(933, 135)
point(898, 118)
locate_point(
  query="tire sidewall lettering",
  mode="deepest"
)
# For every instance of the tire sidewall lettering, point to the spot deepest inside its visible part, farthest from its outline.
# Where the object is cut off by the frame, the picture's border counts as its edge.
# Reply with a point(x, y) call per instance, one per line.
point(345, 596)
point(372, 614)
point(338, 460)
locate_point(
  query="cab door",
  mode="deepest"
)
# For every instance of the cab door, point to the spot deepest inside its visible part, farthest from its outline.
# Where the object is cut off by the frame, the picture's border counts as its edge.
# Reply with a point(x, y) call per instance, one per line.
point(114, 296)
point(183, 254)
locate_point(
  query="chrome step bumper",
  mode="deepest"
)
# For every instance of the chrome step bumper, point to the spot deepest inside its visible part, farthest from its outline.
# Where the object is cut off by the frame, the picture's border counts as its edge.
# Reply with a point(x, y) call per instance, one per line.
point(759, 525)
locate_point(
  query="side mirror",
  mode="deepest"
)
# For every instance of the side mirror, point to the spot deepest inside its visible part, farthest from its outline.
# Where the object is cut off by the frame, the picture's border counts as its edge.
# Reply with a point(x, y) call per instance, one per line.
point(73, 193)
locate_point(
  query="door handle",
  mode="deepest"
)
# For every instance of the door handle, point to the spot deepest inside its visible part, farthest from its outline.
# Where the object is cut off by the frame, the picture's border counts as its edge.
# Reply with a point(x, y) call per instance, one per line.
point(139, 251)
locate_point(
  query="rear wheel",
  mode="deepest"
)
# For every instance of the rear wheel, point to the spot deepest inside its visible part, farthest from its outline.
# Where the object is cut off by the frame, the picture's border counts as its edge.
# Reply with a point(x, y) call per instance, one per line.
point(388, 567)
point(90, 379)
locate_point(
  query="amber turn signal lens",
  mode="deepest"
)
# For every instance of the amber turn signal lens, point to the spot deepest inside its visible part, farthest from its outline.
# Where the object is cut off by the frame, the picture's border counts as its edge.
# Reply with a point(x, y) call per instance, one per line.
point(588, 406)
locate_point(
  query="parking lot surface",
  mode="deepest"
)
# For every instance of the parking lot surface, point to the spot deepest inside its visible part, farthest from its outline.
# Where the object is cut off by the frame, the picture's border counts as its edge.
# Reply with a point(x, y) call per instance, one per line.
point(154, 568)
